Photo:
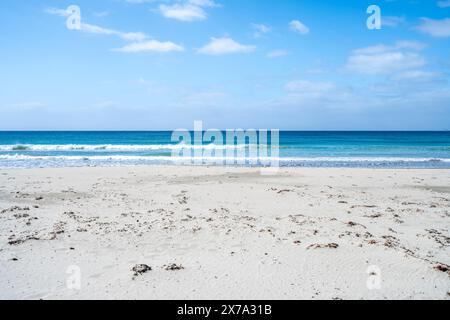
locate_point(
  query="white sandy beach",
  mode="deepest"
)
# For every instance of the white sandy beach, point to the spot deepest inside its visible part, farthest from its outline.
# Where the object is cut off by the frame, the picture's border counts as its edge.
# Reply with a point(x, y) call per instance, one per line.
point(224, 233)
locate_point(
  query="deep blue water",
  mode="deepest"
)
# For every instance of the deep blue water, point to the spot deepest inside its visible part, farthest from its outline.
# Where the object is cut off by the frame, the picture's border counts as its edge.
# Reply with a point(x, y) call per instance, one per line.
point(312, 149)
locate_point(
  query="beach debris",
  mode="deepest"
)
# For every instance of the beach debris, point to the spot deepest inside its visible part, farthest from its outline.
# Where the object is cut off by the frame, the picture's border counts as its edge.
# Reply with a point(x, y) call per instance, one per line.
point(440, 238)
point(15, 208)
point(390, 241)
point(141, 269)
point(18, 241)
point(20, 195)
point(443, 268)
point(196, 229)
point(182, 198)
point(362, 206)
point(21, 215)
point(58, 228)
point(173, 267)
point(408, 203)
point(323, 246)
point(354, 224)
point(376, 215)
point(284, 190)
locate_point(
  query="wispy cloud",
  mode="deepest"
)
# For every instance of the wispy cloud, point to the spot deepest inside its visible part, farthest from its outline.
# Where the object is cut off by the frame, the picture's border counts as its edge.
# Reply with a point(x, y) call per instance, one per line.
point(139, 1)
point(128, 36)
point(204, 99)
point(225, 45)
point(28, 105)
point(101, 14)
point(187, 11)
point(57, 11)
point(386, 60)
point(299, 27)
point(140, 42)
point(277, 54)
point(106, 104)
point(435, 28)
point(314, 95)
point(309, 88)
point(90, 28)
point(260, 29)
point(416, 75)
point(182, 12)
point(392, 21)
point(444, 4)
point(150, 46)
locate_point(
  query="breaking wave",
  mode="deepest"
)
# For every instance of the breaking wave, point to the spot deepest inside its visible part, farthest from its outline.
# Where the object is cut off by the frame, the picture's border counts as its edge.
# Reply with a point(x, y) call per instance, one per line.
point(114, 147)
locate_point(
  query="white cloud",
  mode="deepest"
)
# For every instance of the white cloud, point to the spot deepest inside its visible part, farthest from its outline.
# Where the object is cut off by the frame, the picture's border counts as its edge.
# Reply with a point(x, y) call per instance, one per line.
point(182, 12)
point(435, 28)
point(314, 94)
point(416, 75)
point(191, 10)
point(139, 1)
point(101, 14)
point(138, 39)
point(204, 99)
point(277, 54)
point(28, 105)
point(106, 104)
point(384, 63)
point(128, 36)
point(204, 3)
point(299, 27)
point(151, 46)
point(224, 45)
point(90, 28)
point(309, 87)
point(385, 60)
point(392, 21)
point(315, 71)
point(408, 44)
point(57, 12)
point(381, 48)
point(260, 29)
point(444, 4)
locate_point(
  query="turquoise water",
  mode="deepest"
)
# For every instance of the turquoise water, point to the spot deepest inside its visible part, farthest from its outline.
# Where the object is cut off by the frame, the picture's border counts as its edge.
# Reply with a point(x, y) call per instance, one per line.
point(309, 149)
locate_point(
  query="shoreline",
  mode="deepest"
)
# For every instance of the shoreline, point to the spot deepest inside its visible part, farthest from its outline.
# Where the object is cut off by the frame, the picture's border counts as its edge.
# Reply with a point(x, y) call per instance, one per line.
point(232, 167)
point(224, 233)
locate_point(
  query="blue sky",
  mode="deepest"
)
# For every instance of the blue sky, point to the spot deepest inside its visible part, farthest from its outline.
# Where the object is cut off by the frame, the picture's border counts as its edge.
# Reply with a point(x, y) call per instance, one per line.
point(288, 64)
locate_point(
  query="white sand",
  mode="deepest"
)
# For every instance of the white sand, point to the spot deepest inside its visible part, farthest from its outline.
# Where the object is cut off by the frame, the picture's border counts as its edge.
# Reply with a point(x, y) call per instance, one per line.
point(236, 233)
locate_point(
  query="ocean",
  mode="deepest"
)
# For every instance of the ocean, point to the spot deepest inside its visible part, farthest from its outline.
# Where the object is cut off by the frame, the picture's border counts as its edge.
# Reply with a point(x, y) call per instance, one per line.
point(296, 148)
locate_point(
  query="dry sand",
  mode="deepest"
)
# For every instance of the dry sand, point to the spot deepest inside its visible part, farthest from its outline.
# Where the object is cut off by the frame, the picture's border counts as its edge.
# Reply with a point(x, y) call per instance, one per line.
point(224, 233)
